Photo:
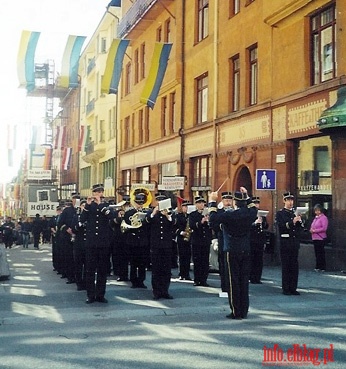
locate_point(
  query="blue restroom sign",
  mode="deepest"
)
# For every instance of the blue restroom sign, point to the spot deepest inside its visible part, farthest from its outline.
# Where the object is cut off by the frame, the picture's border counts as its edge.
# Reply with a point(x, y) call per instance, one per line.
point(265, 179)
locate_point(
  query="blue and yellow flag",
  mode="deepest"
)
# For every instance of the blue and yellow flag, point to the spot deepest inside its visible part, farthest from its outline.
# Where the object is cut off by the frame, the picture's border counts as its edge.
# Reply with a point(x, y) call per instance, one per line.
point(70, 61)
point(114, 64)
point(156, 73)
point(26, 59)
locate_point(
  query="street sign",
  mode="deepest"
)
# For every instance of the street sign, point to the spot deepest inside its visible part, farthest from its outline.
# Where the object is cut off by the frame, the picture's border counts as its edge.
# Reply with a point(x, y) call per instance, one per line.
point(265, 179)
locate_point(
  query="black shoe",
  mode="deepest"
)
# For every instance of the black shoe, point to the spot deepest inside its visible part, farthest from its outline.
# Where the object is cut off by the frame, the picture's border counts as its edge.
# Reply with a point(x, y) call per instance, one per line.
point(288, 293)
point(120, 279)
point(156, 297)
point(141, 285)
point(63, 276)
point(90, 300)
point(70, 281)
point(197, 284)
point(295, 293)
point(205, 284)
point(232, 316)
point(167, 296)
point(101, 299)
point(255, 282)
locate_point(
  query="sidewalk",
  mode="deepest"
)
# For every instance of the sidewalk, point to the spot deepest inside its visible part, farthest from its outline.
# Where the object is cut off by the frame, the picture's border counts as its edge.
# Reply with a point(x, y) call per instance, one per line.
point(45, 322)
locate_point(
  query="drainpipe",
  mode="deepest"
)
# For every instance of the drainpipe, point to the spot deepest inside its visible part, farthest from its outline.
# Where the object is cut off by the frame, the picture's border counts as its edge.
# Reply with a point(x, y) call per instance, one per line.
point(182, 107)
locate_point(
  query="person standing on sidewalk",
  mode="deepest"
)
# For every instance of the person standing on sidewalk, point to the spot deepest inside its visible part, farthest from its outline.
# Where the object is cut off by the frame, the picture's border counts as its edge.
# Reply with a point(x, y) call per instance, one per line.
point(318, 230)
point(289, 227)
point(37, 230)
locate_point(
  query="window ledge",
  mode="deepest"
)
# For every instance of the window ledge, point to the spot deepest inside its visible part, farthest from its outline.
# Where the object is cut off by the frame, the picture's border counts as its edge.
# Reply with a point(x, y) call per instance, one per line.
point(284, 12)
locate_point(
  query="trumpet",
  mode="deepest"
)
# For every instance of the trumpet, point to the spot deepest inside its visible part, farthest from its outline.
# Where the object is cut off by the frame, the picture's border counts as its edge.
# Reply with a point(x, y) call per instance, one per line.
point(187, 231)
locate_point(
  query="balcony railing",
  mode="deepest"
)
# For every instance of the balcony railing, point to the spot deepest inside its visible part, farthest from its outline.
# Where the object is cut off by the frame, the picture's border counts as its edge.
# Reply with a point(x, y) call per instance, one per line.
point(91, 106)
point(134, 14)
point(89, 149)
point(91, 65)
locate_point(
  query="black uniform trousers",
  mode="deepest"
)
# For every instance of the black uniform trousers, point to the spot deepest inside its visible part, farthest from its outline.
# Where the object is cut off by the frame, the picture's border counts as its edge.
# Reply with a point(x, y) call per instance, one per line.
point(97, 262)
point(79, 254)
point(184, 250)
point(200, 255)
point(223, 270)
point(289, 264)
point(239, 264)
point(256, 262)
point(138, 263)
point(161, 260)
point(67, 255)
point(122, 252)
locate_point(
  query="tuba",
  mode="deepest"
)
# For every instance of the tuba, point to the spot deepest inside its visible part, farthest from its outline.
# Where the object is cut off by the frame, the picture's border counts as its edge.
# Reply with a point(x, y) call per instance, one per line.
point(141, 190)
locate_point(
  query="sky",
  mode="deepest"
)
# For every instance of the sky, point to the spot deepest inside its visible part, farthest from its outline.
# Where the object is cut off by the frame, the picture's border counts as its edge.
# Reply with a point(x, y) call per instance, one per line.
point(55, 20)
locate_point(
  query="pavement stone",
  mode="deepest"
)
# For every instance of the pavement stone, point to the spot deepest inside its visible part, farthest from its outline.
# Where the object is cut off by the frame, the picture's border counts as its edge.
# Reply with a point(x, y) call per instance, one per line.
point(45, 323)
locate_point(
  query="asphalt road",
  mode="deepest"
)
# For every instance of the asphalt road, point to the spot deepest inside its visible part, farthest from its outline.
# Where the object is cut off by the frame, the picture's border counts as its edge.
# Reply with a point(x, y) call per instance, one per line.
point(45, 323)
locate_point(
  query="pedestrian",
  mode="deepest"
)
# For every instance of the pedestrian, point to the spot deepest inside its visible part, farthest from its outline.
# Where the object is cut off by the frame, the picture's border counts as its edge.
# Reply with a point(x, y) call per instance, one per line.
point(318, 230)
point(97, 215)
point(258, 241)
point(37, 230)
point(236, 226)
point(289, 228)
point(161, 230)
point(8, 232)
point(183, 235)
point(25, 230)
point(200, 242)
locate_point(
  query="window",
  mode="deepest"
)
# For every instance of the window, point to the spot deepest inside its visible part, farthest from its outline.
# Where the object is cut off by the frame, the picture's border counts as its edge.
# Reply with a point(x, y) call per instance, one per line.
point(168, 30)
point(146, 123)
point(136, 66)
point(127, 133)
point(172, 112)
point(108, 168)
point(168, 170)
point(201, 172)
point(128, 78)
point(164, 117)
point(234, 7)
point(235, 83)
point(323, 40)
point(202, 98)
point(143, 174)
point(253, 77)
point(142, 62)
point(86, 177)
point(103, 45)
point(102, 131)
point(159, 34)
point(140, 127)
point(322, 161)
point(203, 11)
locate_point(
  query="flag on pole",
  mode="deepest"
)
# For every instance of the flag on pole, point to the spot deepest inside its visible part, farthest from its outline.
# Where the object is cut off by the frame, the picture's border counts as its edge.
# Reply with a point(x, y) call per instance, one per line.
point(111, 77)
point(47, 162)
point(70, 61)
point(11, 143)
point(84, 138)
point(26, 59)
point(60, 136)
point(66, 158)
point(156, 73)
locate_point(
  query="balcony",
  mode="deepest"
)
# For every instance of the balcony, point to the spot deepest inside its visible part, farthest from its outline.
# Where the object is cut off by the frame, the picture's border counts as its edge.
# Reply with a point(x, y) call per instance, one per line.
point(137, 12)
point(90, 106)
point(94, 152)
point(91, 65)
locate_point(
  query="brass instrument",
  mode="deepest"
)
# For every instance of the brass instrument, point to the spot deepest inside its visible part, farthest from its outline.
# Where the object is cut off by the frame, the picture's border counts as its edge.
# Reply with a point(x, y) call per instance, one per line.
point(145, 191)
point(136, 222)
point(187, 231)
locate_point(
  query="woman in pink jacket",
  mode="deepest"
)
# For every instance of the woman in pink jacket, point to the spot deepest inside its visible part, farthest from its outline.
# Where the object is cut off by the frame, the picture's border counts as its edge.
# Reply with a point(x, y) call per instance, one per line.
point(318, 232)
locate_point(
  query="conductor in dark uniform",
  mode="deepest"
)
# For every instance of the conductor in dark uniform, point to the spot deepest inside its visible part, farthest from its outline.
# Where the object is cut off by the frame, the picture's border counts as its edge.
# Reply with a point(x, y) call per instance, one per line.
point(97, 215)
point(161, 231)
point(226, 200)
point(136, 230)
point(200, 241)
point(236, 227)
point(258, 240)
point(289, 227)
